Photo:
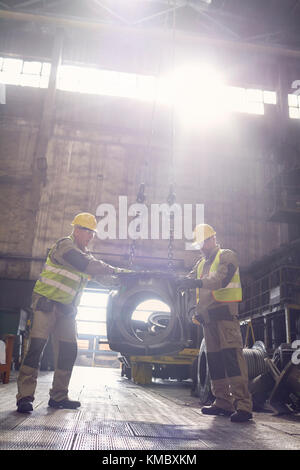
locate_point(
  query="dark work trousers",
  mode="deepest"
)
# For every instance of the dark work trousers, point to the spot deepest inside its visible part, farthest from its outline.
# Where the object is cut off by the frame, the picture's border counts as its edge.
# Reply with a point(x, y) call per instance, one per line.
point(227, 365)
point(62, 327)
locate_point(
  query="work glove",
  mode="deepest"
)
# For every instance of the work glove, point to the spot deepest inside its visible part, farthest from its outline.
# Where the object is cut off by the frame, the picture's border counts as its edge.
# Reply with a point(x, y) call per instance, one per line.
point(197, 319)
point(186, 283)
point(123, 271)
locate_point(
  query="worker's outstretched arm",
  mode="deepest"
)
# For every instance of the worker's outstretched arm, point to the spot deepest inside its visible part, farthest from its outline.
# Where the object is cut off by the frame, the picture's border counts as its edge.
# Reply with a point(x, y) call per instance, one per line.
point(67, 253)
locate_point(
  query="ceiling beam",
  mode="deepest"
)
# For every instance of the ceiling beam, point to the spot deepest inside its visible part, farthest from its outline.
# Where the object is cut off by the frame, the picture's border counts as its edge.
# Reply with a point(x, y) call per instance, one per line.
point(26, 4)
point(163, 35)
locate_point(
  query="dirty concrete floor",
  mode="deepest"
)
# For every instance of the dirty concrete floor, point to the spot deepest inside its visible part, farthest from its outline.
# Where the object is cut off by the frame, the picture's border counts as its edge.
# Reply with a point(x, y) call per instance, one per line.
point(116, 413)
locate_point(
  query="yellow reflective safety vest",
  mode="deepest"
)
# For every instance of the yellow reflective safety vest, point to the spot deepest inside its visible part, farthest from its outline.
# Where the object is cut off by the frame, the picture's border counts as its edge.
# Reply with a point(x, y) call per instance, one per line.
point(60, 283)
point(232, 292)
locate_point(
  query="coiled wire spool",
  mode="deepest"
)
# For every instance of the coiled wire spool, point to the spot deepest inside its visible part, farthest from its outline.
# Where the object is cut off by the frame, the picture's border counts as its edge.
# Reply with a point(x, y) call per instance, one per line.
point(255, 358)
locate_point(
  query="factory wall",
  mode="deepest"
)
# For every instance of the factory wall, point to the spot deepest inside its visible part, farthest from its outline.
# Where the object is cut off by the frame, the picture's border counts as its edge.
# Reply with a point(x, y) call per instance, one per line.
point(104, 147)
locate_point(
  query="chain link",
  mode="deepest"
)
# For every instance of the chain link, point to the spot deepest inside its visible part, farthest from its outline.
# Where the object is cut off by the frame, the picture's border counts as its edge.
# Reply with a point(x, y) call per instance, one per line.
point(140, 198)
point(132, 252)
point(171, 242)
point(171, 199)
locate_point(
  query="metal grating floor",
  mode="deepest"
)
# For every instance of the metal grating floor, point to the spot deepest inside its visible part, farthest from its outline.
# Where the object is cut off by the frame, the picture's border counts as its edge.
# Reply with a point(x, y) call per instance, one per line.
point(116, 414)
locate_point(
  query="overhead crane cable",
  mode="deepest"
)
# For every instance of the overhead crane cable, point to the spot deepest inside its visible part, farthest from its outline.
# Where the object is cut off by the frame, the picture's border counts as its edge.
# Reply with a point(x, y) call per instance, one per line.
point(172, 104)
point(140, 198)
point(171, 196)
point(145, 167)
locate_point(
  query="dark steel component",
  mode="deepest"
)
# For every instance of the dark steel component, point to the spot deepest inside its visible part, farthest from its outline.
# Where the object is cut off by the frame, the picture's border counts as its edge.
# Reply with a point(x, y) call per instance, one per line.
point(255, 359)
point(127, 336)
point(203, 389)
point(282, 355)
point(260, 388)
point(285, 397)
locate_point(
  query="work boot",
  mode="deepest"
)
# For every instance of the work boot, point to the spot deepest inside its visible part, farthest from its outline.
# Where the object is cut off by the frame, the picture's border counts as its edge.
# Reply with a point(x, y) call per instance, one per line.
point(68, 404)
point(215, 411)
point(24, 405)
point(240, 416)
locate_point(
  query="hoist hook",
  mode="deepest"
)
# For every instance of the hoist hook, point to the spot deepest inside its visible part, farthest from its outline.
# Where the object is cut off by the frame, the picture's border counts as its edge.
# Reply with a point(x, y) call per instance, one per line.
point(141, 197)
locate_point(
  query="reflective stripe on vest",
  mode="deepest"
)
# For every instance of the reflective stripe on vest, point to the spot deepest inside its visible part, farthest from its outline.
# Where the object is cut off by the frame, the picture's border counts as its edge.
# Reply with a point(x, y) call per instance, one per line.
point(60, 283)
point(63, 272)
point(232, 292)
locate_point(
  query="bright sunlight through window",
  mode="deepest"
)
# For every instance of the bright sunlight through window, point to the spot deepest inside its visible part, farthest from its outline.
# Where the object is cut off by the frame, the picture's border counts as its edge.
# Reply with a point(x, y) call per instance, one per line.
point(294, 106)
point(198, 94)
point(91, 316)
point(146, 308)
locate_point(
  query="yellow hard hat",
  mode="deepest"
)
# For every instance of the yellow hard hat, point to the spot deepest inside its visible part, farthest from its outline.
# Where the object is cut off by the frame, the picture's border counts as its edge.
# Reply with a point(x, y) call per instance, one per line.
point(85, 220)
point(202, 232)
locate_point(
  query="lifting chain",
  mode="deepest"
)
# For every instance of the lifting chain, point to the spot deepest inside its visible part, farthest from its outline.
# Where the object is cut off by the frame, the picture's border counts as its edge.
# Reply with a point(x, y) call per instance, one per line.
point(140, 198)
point(171, 199)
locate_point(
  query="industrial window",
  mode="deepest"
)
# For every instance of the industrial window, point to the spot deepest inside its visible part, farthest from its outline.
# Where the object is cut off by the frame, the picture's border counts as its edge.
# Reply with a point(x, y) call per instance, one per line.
point(24, 73)
point(105, 82)
point(142, 87)
point(249, 100)
point(91, 316)
point(93, 349)
point(294, 106)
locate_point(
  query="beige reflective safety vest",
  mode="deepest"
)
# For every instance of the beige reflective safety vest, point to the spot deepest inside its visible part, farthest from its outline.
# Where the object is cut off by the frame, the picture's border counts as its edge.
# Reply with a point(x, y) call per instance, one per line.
point(60, 283)
point(232, 292)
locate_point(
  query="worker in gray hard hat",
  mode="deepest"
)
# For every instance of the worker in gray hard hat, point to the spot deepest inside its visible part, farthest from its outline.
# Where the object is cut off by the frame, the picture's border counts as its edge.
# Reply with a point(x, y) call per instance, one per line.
point(217, 282)
point(56, 295)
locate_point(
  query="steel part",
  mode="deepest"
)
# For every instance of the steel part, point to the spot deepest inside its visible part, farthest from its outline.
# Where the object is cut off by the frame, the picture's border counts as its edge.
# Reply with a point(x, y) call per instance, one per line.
point(282, 355)
point(285, 397)
point(51, 431)
point(171, 371)
point(260, 346)
point(93, 442)
point(164, 431)
point(104, 400)
point(103, 427)
point(123, 333)
point(254, 357)
point(126, 371)
point(184, 357)
point(260, 388)
point(203, 387)
point(272, 368)
point(35, 440)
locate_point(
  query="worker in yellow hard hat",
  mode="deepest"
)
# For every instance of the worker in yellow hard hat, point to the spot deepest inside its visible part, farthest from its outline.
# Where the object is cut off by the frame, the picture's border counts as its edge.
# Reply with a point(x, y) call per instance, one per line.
point(218, 290)
point(56, 295)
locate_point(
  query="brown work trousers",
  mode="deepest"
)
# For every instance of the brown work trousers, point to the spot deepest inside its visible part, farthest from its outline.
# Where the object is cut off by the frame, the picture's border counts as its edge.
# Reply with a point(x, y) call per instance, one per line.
point(50, 318)
point(227, 365)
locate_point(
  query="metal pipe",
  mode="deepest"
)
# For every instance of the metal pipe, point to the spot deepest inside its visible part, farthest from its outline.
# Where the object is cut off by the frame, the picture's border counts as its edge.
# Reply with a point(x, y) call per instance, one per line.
point(287, 323)
point(154, 33)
